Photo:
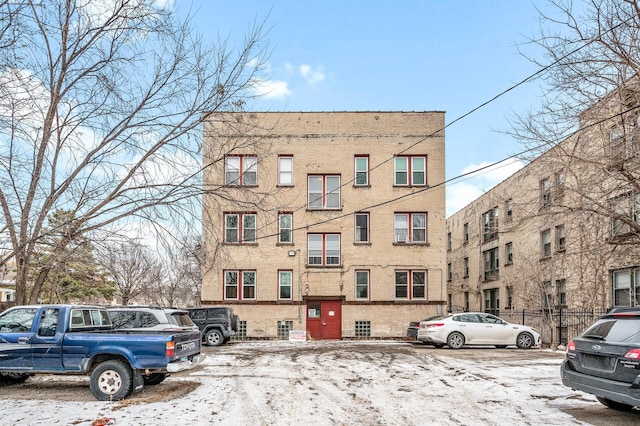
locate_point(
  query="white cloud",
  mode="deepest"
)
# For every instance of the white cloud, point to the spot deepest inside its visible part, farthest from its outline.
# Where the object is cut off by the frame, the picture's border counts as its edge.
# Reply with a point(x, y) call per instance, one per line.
point(271, 89)
point(312, 76)
point(467, 189)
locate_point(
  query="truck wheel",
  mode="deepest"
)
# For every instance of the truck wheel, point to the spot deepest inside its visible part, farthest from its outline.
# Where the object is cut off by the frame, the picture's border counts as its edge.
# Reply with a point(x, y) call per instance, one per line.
point(111, 381)
point(154, 379)
point(213, 338)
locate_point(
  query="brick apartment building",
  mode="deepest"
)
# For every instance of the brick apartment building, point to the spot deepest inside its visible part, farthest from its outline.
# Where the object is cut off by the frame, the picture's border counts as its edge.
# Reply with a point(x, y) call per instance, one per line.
point(562, 232)
point(329, 222)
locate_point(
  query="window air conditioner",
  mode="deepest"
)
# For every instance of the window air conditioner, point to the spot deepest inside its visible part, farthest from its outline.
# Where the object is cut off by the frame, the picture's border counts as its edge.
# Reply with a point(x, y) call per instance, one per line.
point(401, 238)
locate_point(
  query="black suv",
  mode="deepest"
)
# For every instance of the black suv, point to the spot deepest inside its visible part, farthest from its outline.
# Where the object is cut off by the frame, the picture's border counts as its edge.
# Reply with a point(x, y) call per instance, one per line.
point(217, 323)
point(605, 360)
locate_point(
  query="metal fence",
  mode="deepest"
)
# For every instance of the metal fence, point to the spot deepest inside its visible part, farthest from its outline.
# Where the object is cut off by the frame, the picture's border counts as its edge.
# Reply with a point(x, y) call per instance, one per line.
point(556, 326)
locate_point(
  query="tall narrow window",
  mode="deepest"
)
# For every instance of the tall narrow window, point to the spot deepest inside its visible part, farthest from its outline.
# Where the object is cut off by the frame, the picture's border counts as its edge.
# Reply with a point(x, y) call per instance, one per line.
point(561, 291)
point(449, 272)
point(491, 264)
point(285, 225)
point(362, 227)
point(490, 224)
point(448, 241)
point(509, 210)
point(545, 242)
point(466, 266)
point(285, 170)
point(285, 284)
point(410, 171)
point(324, 192)
point(465, 233)
point(559, 185)
point(560, 238)
point(508, 251)
point(362, 285)
point(545, 193)
point(241, 170)
point(323, 249)
point(240, 227)
point(410, 227)
point(362, 170)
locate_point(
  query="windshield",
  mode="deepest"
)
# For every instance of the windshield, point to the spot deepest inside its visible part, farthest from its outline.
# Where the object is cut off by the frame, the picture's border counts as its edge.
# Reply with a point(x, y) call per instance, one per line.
point(621, 330)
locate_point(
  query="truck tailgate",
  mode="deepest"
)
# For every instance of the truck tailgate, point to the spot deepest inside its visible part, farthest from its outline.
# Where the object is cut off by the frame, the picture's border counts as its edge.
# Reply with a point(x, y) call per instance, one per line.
point(187, 343)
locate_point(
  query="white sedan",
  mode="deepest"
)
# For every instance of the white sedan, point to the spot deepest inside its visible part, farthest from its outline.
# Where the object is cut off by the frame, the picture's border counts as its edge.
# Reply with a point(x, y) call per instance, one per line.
point(476, 328)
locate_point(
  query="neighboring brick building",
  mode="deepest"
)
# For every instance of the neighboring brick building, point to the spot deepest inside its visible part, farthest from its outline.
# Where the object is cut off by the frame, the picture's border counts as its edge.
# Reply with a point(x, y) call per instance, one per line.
point(562, 232)
point(330, 222)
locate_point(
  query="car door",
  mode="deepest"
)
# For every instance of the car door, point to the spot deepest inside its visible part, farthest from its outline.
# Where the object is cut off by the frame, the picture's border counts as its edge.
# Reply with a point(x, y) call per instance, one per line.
point(15, 338)
point(496, 331)
point(470, 326)
point(46, 342)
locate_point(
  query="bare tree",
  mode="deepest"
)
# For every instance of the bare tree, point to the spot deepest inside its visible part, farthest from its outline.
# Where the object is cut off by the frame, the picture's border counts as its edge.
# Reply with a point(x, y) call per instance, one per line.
point(181, 278)
point(133, 269)
point(589, 118)
point(101, 112)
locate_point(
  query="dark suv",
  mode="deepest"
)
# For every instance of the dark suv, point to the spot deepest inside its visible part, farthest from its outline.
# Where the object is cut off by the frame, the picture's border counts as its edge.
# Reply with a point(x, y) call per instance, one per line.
point(217, 323)
point(605, 360)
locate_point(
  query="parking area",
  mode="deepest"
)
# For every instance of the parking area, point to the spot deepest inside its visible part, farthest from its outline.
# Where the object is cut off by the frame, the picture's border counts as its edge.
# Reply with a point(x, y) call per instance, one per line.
point(332, 383)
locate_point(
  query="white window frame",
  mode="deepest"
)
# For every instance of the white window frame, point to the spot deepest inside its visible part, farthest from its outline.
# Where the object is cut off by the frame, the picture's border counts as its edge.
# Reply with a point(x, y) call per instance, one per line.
point(241, 170)
point(323, 192)
point(283, 285)
point(407, 227)
point(545, 243)
point(415, 290)
point(358, 237)
point(411, 173)
point(243, 231)
point(323, 249)
point(285, 170)
point(361, 278)
point(245, 284)
point(361, 170)
point(282, 228)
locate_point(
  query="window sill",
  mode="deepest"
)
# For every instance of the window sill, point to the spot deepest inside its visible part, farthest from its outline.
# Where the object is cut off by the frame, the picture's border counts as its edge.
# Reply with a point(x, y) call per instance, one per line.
point(323, 266)
point(285, 244)
point(362, 186)
point(545, 258)
point(412, 244)
point(240, 244)
point(561, 250)
point(410, 186)
point(285, 186)
point(508, 264)
point(362, 243)
point(317, 209)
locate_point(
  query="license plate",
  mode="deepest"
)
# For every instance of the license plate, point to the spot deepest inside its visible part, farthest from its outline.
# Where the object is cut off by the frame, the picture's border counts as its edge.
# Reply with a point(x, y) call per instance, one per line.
point(599, 362)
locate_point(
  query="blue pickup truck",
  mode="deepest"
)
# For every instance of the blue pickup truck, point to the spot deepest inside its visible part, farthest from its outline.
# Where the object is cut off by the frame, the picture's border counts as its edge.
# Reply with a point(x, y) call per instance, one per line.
point(78, 339)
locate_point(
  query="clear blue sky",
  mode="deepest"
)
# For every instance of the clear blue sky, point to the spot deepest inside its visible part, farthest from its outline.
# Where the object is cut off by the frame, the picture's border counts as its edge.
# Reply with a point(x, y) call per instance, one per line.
point(419, 55)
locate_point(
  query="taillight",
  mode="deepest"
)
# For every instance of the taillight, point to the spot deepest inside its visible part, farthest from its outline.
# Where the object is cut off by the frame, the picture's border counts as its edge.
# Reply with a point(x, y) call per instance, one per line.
point(435, 324)
point(170, 349)
point(571, 346)
point(633, 354)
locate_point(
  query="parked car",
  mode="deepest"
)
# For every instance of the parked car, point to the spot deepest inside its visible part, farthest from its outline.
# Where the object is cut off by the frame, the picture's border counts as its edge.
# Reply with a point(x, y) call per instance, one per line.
point(605, 360)
point(79, 340)
point(476, 328)
point(412, 330)
point(217, 323)
point(151, 318)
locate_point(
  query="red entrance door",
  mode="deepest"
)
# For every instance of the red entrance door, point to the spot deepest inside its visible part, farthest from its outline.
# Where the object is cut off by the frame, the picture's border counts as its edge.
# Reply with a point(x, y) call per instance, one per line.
point(324, 319)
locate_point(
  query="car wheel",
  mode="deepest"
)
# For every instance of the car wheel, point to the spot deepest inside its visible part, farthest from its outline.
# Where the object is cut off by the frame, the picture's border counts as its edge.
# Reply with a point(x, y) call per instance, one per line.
point(501, 346)
point(13, 378)
point(524, 340)
point(614, 405)
point(213, 338)
point(154, 379)
point(111, 381)
point(455, 340)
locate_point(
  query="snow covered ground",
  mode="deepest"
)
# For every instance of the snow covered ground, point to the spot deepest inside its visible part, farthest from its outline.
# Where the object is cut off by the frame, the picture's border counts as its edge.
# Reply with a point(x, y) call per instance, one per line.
point(329, 383)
